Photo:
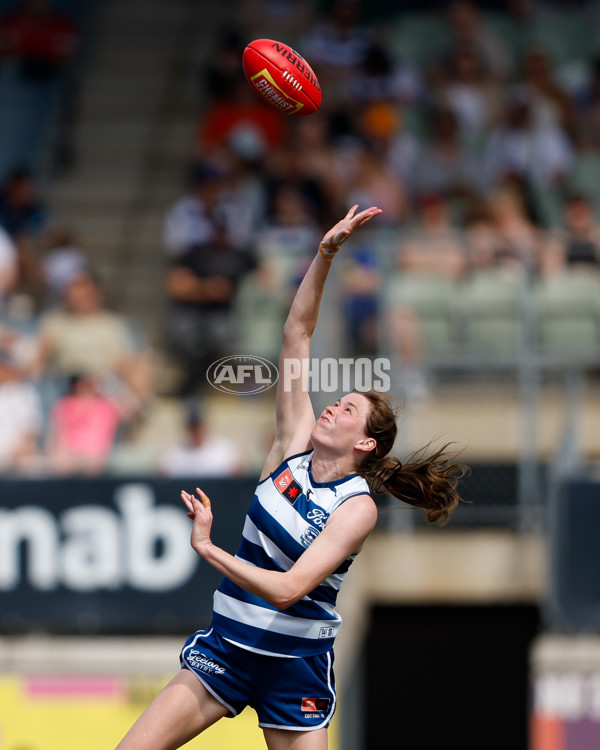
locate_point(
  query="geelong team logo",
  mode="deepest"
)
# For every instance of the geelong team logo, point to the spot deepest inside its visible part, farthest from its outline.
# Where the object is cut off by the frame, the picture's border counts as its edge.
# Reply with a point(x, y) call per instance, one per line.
point(309, 536)
point(242, 374)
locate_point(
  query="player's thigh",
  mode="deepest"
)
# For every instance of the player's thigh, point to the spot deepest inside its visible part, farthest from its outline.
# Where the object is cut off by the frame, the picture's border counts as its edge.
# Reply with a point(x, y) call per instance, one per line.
point(182, 710)
point(285, 739)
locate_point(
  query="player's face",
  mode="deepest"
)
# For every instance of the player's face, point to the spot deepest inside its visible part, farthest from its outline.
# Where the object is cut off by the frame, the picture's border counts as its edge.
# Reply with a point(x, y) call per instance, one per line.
point(342, 425)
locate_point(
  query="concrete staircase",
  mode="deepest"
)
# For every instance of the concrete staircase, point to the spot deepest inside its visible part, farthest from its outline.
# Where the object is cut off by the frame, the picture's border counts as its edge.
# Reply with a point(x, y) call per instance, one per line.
point(134, 140)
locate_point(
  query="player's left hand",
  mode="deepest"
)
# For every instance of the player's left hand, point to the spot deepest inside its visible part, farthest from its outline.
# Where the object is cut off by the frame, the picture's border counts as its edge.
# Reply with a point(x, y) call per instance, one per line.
point(200, 512)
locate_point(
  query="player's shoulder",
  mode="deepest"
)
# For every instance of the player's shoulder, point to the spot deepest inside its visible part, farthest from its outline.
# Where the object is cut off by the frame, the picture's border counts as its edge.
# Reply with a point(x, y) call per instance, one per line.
point(356, 515)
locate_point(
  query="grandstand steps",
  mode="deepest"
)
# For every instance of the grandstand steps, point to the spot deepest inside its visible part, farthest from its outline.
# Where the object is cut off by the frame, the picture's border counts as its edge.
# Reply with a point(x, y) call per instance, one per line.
point(135, 133)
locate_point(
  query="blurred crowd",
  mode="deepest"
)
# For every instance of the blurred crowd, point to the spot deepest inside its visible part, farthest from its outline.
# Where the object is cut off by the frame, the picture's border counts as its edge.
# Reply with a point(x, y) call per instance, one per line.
point(476, 132)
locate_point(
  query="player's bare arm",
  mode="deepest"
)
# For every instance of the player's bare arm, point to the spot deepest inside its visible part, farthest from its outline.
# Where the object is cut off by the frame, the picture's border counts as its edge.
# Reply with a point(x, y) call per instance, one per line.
point(343, 535)
point(294, 413)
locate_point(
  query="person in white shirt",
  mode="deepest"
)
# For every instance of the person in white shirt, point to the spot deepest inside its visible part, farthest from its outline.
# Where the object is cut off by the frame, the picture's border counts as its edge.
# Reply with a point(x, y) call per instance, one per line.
point(202, 454)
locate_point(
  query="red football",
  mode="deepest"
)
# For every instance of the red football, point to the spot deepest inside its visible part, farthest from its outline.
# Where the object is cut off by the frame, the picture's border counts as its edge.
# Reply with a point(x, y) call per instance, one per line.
point(282, 77)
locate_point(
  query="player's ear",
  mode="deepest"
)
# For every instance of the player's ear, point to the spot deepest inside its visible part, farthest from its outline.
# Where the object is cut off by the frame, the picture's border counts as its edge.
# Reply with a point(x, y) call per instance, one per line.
point(366, 444)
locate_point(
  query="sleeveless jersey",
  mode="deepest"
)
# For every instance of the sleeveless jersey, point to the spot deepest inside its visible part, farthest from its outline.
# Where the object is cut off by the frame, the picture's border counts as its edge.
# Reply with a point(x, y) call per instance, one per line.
point(288, 512)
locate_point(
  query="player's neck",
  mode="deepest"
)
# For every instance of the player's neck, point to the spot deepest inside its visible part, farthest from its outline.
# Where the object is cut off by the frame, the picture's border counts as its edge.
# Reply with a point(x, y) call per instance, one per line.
point(329, 469)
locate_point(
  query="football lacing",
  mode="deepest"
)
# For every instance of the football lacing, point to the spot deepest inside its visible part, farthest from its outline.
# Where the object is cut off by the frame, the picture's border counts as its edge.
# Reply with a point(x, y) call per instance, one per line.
point(290, 79)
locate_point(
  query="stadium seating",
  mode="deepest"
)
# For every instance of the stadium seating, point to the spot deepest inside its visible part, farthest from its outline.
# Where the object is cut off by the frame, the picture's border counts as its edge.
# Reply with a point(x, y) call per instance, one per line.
point(568, 314)
point(433, 299)
point(491, 309)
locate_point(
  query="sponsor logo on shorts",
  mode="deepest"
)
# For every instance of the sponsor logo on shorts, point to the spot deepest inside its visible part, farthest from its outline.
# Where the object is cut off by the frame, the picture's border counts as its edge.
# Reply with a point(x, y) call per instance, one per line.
point(315, 708)
point(204, 663)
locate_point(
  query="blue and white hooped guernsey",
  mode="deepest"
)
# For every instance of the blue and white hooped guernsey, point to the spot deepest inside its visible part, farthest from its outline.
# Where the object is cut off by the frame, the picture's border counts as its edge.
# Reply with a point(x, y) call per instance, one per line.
point(289, 510)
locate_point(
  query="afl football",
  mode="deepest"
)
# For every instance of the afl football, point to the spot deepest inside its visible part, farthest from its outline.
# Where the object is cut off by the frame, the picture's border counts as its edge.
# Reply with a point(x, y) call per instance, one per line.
point(282, 77)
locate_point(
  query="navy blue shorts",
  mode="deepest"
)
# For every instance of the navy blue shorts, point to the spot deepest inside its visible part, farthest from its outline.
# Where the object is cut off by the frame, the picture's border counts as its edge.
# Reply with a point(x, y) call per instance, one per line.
point(296, 694)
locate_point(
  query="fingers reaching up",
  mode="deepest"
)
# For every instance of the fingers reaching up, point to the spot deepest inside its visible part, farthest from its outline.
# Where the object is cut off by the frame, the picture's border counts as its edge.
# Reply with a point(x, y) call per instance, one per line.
point(337, 235)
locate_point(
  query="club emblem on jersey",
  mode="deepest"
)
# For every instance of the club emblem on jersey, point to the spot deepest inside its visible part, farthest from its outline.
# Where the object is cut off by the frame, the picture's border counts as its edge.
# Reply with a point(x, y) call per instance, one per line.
point(287, 485)
point(309, 536)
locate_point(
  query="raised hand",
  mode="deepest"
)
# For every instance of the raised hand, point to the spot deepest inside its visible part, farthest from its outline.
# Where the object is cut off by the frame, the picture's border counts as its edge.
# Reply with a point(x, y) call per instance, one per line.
point(338, 234)
point(200, 512)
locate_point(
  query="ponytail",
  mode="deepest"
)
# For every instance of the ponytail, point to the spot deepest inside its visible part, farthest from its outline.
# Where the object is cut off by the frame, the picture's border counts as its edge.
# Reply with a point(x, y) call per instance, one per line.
point(425, 480)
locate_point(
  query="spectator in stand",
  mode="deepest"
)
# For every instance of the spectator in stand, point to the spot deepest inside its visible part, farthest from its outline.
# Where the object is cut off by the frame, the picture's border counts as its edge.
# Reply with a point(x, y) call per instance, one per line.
point(83, 429)
point(361, 282)
point(433, 246)
point(382, 78)
point(221, 75)
point(8, 267)
point(201, 454)
point(587, 112)
point(22, 213)
point(430, 261)
point(242, 203)
point(202, 280)
point(370, 182)
point(383, 125)
point(62, 261)
point(19, 332)
point(446, 166)
point(283, 250)
point(307, 160)
point(337, 47)
point(519, 149)
point(24, 217)
point(260, 308)
point(481, 240)
point(288, 238)
point(20, 416)
point(550, 105)
point(191, 220)
point(519, 242)
point(82, 336)
point(466, 28)
point(42, 39)
point(470, 90)
point(577, 243)
point(243, 108)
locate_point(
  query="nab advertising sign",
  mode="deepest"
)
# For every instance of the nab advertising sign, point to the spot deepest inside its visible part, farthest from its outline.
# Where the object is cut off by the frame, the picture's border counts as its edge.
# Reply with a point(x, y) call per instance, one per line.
point(109, 556)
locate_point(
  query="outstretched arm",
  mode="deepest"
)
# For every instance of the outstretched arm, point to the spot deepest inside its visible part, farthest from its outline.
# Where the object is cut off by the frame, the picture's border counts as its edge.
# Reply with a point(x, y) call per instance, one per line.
point(294, 412)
